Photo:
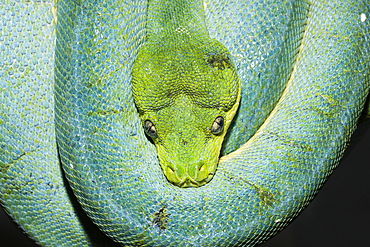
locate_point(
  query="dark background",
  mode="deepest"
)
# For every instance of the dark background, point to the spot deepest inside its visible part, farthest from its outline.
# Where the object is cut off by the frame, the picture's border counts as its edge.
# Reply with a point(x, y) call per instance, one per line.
point(338, 216)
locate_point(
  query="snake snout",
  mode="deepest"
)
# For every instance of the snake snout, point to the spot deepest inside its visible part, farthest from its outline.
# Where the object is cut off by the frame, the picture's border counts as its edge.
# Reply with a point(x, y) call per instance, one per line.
point(189, 175)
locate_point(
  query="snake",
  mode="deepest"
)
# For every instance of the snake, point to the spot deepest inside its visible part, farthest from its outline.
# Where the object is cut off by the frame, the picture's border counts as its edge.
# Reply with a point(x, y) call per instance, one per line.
point(174, 123)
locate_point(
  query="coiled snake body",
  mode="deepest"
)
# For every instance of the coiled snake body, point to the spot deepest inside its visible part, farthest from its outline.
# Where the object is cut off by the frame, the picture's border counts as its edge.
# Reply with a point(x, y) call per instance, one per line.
point(304, 73)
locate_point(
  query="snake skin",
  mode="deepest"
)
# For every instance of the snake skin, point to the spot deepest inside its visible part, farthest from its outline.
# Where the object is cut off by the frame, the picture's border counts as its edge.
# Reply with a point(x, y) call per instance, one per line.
point(304, 67)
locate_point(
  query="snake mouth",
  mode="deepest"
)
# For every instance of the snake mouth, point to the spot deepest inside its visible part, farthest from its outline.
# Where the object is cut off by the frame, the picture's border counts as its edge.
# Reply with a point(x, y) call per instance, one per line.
point(189, 182)
point(185, 180)
point(188, 168)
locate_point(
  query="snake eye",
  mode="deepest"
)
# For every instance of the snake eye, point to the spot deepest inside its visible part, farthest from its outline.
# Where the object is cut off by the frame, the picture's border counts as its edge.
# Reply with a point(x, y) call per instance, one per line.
point(217, 126)
point(149, 129)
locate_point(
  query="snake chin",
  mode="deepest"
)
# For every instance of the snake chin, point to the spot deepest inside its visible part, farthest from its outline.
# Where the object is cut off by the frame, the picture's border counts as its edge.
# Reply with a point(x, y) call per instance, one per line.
point(187, 181)
point(187, 174)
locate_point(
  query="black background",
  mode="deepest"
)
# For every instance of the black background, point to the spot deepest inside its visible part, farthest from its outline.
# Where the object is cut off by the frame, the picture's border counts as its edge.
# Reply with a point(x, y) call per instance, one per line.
point(338, 216)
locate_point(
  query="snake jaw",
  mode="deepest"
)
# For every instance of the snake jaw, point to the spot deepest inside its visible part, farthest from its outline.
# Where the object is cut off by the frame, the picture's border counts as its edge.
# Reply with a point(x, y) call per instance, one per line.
point(185, 175)
point(187, 181)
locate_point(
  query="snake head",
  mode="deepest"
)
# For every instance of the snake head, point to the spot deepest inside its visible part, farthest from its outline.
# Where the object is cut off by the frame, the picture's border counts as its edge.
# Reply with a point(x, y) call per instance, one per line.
point(186, 97)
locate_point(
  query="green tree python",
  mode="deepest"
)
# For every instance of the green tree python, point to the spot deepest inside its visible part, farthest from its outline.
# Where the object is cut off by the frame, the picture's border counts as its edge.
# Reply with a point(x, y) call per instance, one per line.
point(135, 100)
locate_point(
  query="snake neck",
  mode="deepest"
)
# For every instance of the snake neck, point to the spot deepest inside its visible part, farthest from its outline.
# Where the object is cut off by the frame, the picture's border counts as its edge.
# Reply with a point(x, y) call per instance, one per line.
point(175, 20)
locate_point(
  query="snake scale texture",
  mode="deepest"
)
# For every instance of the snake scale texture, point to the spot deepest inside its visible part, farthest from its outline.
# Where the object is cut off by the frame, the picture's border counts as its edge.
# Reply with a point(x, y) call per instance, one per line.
point(66, 101)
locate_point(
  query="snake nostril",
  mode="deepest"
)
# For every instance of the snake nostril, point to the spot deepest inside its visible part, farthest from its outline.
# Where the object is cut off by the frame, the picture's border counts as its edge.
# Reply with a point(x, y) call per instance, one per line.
point(171, 169)
point(201, 167)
